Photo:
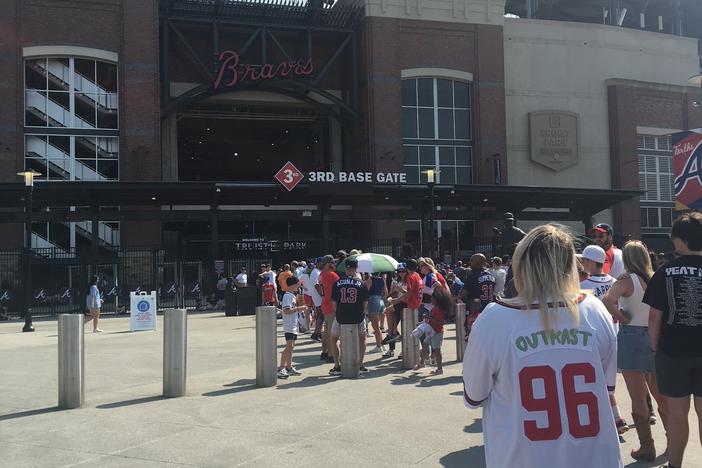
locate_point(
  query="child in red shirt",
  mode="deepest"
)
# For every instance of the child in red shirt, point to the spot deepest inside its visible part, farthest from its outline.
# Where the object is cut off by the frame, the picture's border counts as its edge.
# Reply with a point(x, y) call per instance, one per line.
point(441, 303)
point(269, 295)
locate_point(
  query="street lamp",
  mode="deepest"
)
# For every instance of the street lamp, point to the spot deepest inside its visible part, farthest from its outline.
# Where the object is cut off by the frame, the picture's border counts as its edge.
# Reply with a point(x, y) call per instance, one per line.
point(431, 182)
point(29, 184)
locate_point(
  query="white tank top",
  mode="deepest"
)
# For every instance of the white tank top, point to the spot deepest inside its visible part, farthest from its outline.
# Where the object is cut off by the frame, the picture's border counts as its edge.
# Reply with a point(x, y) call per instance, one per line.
point(634, 306)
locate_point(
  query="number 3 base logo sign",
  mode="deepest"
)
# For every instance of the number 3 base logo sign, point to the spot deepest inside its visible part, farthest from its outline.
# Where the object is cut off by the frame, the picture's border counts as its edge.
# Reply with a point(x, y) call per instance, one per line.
point(289, 176)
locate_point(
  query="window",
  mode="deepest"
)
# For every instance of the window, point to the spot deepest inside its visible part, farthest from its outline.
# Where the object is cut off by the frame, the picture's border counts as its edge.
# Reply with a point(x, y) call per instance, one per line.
point(71, 119)
point(436, 130)
point(656, 179)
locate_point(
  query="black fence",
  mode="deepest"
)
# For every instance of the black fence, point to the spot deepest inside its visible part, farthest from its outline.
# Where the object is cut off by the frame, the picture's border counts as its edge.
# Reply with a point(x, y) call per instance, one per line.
point(188, 279)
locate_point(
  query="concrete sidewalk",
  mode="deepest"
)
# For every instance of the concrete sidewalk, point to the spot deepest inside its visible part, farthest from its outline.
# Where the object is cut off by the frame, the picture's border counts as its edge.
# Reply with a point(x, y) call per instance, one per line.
point(388, 417)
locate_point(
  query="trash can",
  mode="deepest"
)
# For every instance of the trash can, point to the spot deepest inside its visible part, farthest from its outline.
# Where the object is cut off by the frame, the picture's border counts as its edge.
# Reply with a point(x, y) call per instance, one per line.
point(248, 300)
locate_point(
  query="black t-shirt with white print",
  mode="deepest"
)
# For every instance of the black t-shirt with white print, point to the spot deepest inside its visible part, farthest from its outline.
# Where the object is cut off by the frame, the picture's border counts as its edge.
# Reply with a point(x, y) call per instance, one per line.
point(350, 294)
point(676, 290)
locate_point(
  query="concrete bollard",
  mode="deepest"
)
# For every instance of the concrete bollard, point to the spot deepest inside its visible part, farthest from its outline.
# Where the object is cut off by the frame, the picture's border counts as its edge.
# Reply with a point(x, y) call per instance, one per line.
point(175, 352)
point(410, 344)
point(266, 346)
point(71, 361)
point(350, 353)
point(460, 330)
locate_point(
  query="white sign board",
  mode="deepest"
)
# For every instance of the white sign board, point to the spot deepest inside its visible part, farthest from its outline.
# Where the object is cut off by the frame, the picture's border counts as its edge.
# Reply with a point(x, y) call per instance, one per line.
point(142, 308)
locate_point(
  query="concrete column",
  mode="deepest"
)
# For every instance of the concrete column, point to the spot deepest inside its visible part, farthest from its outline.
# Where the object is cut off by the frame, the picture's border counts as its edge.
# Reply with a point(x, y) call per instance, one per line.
point(175, 352)
point(410, 344)
point(460, 331)
point(350, 352)
point(266, 341)
point(71, 361)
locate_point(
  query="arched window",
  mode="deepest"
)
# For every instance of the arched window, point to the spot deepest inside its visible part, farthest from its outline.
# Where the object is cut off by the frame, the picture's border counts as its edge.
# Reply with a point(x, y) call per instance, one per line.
point(436, 129)
point(71, 124)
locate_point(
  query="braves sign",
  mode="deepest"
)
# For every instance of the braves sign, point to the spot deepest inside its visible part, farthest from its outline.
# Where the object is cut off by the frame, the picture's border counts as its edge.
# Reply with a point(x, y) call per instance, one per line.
point(231, 71)
point(687, 169)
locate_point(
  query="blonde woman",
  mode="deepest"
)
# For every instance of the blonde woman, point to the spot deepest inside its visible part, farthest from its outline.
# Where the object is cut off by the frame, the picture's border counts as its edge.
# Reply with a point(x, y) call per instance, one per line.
point(635, 358)
point(541, 363)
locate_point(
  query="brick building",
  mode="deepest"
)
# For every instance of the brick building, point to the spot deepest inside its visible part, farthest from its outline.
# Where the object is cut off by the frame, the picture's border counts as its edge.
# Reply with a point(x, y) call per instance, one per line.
point(160, 124)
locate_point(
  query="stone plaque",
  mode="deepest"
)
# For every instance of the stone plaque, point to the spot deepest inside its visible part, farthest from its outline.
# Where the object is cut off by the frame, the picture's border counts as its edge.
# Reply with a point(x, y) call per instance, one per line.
point(555, 138)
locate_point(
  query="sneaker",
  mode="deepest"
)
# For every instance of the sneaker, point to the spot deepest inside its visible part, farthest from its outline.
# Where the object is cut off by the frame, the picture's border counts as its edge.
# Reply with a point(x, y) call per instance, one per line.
point(323, 357)
point(437, 372)
point(622, 426)
point(652, 419)
point(282, 374)
point(335, 371)
point(386, 340)
point(377, 349)
point(293, 371)
point(363, 370)
point(330, 359)
point(389, 353)
point(419, 366)
point(316, 337)
point(97, 330)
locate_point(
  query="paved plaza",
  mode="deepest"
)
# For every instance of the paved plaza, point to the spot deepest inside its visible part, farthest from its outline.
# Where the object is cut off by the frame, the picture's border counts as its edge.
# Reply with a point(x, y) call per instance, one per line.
point(388, 417)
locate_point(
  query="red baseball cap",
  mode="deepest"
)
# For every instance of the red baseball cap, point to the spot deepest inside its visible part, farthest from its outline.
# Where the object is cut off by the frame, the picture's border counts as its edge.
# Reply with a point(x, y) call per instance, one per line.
point(603, 228)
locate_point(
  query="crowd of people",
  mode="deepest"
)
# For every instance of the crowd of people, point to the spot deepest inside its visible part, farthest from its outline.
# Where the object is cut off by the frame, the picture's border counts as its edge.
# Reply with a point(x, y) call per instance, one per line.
point(543, 362)
point(547, 331)
point(316, 297)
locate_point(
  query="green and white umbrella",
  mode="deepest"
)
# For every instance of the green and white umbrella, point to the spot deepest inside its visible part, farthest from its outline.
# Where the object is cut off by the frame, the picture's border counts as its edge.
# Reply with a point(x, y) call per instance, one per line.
point(371, 263)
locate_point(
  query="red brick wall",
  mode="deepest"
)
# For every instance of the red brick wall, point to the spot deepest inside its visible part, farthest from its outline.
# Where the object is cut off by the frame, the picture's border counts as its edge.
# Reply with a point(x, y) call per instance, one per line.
point(127, 27)
point(633, 104)
point(391, 45)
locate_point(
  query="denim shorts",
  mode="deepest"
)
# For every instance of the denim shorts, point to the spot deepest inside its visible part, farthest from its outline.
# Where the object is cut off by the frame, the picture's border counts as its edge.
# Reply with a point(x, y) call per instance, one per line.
point(376, 305)
point(634, 350)
point(434, 341)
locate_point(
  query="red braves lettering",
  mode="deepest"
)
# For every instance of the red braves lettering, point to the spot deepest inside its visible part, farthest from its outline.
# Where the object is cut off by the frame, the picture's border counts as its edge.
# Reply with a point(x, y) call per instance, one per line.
point(231, 72)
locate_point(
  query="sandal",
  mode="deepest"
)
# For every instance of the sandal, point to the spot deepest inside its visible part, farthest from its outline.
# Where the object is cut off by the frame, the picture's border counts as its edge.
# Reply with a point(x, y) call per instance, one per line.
point(421, 365)
point(437, 372)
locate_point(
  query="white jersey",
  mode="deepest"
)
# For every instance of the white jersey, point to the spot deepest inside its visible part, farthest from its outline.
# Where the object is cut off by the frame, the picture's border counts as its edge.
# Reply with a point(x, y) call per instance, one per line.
point(311, 290)
point(305, 283)
point(545, 394)
point(598, 284)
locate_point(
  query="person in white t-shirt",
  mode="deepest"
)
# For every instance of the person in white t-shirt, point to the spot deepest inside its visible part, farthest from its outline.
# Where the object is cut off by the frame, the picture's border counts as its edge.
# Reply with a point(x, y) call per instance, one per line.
point(302, 266)
point(540, 365)
point(500, 275)
point(598, 283)
point(305, 282)
point(290, 328)
point(242, 280)
point(317, 301)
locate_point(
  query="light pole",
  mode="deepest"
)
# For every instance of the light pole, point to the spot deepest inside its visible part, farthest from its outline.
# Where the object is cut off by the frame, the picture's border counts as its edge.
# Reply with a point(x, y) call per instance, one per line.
point(29, 185)
point(431, 182)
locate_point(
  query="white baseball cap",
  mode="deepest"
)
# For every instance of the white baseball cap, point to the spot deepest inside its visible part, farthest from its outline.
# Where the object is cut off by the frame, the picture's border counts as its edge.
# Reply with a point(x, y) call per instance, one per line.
point(594, 253)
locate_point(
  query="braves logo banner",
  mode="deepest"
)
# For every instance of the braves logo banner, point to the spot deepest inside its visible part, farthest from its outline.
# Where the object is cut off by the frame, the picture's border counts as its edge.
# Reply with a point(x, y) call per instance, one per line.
point(687, 169)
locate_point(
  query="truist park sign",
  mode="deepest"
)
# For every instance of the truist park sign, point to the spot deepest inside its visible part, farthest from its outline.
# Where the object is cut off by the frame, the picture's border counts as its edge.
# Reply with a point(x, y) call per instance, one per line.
point(231, 71)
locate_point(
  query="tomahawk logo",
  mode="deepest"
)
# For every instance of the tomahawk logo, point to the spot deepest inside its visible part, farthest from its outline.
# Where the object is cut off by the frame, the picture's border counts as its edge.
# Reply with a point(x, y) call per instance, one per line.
point(171, 289)
point(40, 296)
point(5, 296)
point(692, 171)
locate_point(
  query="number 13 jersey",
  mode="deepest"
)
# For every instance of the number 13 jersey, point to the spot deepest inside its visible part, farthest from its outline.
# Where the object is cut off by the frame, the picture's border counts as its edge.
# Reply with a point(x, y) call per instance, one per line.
point(544, 393)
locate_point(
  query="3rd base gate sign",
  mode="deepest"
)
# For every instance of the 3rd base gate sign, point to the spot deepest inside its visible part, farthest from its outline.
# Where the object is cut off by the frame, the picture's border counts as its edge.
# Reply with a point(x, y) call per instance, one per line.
point(289, 176)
